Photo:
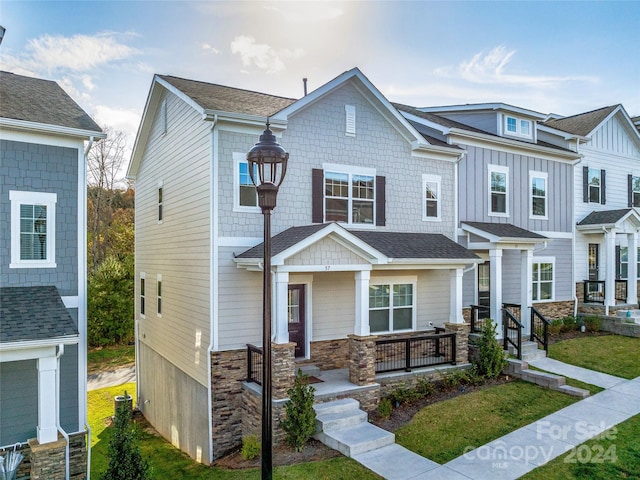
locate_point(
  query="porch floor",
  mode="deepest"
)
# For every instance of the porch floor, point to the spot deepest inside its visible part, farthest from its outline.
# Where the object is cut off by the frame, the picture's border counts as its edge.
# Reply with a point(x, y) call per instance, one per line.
point(336, 382)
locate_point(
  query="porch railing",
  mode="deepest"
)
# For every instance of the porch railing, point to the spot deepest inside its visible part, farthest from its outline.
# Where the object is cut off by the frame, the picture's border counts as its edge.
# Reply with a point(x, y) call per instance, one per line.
point(415, 352)
point(539, 329)
point(512, 331)
point(621, 290)
point(478, 314)
point(254, 364)
point(515, 309)
point(594, 291)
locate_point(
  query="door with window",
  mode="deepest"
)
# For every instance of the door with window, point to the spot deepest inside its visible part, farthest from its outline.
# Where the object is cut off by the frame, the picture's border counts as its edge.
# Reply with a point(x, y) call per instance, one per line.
point(594, 261)
point(484, 285)
point(296, 319)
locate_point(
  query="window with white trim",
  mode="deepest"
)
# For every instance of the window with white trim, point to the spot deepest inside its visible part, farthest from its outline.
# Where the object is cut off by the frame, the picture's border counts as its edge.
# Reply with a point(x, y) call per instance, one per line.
point(623, 266)
point(245, 195)
point(159, 295)
point(392, 306)
point(142, 294)
point(349, 195)
point(538, 194)
point(498, 191)
point(542, 272)
point(33, 227)
point(517, 126)
point(431, 202)
point(595, 185)
point(635, 191)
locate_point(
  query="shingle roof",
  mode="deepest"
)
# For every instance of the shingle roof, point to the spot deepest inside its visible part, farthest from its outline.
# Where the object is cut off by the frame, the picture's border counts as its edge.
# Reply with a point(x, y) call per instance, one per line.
point(391, 244)
point(33, 313)
point(583, 123)
point(504, 230)
point(41, 101)
point(228, 99)
point(605, 217)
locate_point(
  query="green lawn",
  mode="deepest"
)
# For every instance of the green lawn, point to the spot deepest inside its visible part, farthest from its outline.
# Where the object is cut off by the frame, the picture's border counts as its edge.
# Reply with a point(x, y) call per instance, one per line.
point(109, 358)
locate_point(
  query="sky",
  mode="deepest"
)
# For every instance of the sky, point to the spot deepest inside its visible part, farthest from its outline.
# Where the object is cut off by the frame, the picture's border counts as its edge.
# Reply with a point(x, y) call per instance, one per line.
point(551, 57)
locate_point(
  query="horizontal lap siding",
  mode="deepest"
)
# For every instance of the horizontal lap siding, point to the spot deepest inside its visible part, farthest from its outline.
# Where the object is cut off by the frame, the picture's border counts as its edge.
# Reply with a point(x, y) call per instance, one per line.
point(433, 298)
point(333, 305)
point(179, 247)
point(18, 401)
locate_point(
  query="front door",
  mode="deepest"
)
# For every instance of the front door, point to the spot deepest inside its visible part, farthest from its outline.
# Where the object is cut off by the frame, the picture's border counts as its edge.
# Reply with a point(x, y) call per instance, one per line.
point(594, 260)
point(296, 317)
point(484, 285)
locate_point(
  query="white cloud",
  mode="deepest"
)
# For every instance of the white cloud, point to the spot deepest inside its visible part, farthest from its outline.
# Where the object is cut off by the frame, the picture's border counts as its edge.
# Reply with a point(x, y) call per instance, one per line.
point(120, 119)
point(262, 55)
point(306, 12)
point(209, 49)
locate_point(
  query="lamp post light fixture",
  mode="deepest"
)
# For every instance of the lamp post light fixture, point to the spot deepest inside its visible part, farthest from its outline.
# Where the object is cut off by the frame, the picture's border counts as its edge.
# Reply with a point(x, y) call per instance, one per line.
point(267, 167)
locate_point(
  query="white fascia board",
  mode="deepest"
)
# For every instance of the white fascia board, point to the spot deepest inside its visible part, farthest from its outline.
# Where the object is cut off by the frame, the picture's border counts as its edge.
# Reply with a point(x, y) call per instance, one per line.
point(495, 239)
point(45, 128)
point(562, 134)
point(437, 152)
point(29, 349)
point(244, 119)
point(178, 93)
point(486, 106)
point(427, 123)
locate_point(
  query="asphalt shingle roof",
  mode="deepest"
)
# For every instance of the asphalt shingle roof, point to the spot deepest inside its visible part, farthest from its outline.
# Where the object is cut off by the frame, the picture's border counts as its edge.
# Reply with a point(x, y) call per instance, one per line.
point(41, 101)
point(228, 99)
point(605, 217)
point(504, 230)
point(391, 244)
point(33, 313)
point(583, 123)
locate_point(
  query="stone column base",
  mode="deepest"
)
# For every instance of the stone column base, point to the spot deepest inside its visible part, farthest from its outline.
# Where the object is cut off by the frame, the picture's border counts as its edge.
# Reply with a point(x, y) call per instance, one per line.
point(362, 360)
point(48, 460)
point(462, 340)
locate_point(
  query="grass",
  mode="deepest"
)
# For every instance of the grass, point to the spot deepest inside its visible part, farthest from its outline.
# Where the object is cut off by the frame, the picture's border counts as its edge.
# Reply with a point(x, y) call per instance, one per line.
point(110, 358)
point(572, 382)
point(442, 431)
point(612, 354)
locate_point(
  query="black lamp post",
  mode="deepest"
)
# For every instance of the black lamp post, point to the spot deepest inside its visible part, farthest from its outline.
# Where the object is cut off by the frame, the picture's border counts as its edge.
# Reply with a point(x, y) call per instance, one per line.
point(268, 159)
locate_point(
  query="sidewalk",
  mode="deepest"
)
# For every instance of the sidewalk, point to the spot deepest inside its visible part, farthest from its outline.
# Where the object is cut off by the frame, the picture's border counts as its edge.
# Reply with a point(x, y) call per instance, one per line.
point(529, 447)
point(111, 378)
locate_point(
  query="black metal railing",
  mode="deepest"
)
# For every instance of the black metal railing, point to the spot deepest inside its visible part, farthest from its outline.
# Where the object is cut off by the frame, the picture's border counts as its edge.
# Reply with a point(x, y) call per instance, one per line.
point(415, 352)
point(254, 364)
point(512, 331)
point(515, 309)
point(594, 291)
point(621, 290)
point(478, 314)
point(539, 329)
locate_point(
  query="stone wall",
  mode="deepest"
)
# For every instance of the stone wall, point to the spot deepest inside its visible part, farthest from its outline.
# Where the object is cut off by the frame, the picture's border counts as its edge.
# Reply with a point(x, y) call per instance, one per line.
point(282, 369)
point(252, 414)
point(362, 360)
point(620, 326)
point(329, 354)
point(78, 456)
point(393, 381)
point(462, 340)
point(48, 460)
point(554, 310)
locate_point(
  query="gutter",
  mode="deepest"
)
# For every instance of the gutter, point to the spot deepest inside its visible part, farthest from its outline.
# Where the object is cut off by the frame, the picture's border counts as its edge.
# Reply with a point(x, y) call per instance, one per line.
point(58, 425)
point(47, 128)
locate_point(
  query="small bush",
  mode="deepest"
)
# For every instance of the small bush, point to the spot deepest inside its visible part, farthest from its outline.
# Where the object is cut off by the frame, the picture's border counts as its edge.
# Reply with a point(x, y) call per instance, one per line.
point(300, 421)
point(569, 324)
point(556, 326)
point(251, 447)
point(384, 408)
point(402, 395)
point(452, 380)
point(593, 323)
point(490, 360)
point(425, 387)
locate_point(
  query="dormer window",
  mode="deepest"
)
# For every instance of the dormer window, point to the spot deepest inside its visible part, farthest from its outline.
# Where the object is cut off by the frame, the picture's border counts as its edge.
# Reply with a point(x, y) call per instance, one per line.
point(518, 127)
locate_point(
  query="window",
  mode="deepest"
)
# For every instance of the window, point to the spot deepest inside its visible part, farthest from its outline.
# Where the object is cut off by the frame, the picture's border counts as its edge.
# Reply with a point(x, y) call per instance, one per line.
point(245, 193)
point(391, 307)
point(525, 127)
point(349, 196)
point(512, 125)
point(593, 185)
point(142, 293)
point(538, 205)
point(498, 191)
point(518, 126)
point(542, 279)
point(634, 191)
point(159, 295)
point(160, 201)
point(350, 114)
point(623, 263)
point(33, 222)
point(431, 201)
point(638, 263)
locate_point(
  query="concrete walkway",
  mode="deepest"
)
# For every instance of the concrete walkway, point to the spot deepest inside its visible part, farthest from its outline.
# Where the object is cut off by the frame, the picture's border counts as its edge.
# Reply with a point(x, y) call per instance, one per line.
point(529, 447)
point(111, 378)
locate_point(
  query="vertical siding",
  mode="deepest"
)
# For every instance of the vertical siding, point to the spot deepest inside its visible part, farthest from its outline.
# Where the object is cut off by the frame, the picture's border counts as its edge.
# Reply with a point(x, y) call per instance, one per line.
point(18, 401)
point(69, 390)
point(179, 247)
point(560, 250)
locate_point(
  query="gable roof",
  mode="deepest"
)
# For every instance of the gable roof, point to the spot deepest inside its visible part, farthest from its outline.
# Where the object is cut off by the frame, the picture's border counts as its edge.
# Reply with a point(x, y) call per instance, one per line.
point(44, 102)
point(582, 124)
point(495, 106)
point(501, 232)
point(34, 314)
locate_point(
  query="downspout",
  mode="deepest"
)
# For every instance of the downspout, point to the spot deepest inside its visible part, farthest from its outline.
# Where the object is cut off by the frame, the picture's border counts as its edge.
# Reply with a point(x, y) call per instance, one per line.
point(606, 307)
point(58, 425)
point(573, 240)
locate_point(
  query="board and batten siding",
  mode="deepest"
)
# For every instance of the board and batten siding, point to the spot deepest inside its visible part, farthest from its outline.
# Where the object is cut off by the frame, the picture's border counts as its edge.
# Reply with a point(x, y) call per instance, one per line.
point(474, 189)
point(178, 248)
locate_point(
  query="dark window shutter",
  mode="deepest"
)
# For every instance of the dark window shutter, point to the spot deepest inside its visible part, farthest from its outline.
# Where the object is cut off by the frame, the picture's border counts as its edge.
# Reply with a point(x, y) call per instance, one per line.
point(603, 188)
point(381, 201)
point(317, 195)
point(618, 266)
point(585, 184)
point(630, 190)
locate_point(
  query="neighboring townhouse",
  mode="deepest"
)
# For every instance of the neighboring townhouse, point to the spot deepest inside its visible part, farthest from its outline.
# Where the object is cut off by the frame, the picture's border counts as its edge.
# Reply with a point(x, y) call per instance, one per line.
point(606, 199)
point(44, 139)
point(513, 208)
point(363, 250)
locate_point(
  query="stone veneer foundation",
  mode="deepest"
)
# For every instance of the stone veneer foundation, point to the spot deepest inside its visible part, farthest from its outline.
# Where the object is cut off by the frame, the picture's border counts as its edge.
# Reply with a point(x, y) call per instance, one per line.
point(329, 354)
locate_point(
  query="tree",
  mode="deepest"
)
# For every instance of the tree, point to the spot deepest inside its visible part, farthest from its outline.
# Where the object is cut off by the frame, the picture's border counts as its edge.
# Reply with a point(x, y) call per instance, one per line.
point(490, 361)
point(300, 421)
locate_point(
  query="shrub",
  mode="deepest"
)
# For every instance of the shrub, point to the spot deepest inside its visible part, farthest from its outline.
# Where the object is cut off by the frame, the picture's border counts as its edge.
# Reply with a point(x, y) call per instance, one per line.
point(125, 458)
point(569, 324)
point(425, 387)
point(593, 323)
point(556, 326)
point(384, 408)
point(251, 447)
point(300, 421)
point(490, 360)
point(402, 395)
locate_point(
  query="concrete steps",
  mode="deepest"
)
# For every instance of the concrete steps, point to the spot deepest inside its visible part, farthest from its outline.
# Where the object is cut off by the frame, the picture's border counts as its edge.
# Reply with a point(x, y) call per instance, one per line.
point(520, 369)
point(530, 351)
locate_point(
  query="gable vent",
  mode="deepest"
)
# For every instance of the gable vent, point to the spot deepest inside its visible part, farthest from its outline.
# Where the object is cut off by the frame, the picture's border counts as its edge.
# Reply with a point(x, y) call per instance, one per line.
point(350, 111)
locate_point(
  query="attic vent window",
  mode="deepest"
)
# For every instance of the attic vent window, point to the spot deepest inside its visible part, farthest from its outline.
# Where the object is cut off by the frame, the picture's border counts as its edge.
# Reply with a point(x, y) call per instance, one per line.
point(350, 111)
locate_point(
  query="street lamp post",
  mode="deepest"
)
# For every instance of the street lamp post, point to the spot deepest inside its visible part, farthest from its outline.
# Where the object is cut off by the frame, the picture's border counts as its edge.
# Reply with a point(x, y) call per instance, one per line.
point(268, 160)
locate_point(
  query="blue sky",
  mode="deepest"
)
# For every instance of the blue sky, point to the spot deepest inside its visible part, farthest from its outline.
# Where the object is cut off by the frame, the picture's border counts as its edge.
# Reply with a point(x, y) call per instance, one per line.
point(561, 57)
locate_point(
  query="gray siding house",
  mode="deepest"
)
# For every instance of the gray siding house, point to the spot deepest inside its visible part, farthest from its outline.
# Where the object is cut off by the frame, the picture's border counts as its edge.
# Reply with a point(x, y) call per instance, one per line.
point(514, 207)
point(606, 199)
point(43, 147)
point(363, 248)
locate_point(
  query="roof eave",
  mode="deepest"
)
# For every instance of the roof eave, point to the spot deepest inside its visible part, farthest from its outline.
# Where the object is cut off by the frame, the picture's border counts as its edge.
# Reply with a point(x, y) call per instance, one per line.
point(45, 128)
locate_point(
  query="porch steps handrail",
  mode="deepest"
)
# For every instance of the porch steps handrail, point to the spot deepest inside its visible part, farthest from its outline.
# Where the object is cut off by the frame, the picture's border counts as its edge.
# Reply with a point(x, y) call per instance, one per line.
point(539, 328)
point(254, 364)
point(475, 319)
point(511, 324)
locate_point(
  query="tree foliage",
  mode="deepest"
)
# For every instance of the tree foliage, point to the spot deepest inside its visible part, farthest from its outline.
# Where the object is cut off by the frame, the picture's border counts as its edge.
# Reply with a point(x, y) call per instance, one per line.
point(300, 421)
point(491, 360)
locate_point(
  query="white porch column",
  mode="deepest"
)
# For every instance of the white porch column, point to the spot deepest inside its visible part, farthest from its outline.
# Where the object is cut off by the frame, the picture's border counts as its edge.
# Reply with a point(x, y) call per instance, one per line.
point(47, 430)
point(361, 327)
point(455, 296)
point(281, 307)
point(495, 280)
point(610, 271)
point(526, 289)
point(632, 276)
